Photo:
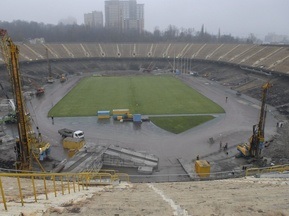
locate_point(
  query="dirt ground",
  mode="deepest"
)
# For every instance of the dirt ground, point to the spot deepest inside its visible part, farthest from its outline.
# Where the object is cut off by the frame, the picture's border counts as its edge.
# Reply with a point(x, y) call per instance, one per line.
point(245, 196)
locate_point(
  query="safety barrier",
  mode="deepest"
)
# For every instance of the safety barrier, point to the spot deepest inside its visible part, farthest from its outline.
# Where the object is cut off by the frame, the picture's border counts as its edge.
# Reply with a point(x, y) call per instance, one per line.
point(277, 168)
point(120, 176)
point(33, 184)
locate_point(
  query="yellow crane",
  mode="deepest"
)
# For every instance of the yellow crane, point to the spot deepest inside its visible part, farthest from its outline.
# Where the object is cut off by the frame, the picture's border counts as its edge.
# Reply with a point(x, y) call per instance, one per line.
point(29, 145)
point(256, 141)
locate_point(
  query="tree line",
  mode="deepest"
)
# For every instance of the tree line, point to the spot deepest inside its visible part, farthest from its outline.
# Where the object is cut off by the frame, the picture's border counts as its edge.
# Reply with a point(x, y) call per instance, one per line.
point(23, 31)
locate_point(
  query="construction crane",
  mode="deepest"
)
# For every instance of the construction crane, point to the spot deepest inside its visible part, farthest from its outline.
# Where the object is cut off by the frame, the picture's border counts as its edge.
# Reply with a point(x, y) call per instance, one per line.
point(50, 77)
point(254, 148)
point(29, 145)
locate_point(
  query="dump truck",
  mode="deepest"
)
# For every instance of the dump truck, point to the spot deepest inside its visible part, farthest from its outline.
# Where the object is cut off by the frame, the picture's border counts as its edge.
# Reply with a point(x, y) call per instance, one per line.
point(71, 133)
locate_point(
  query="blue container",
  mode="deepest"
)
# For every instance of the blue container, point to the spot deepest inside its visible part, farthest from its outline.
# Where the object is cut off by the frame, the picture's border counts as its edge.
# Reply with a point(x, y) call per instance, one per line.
point(104, 112)
point(137, 118)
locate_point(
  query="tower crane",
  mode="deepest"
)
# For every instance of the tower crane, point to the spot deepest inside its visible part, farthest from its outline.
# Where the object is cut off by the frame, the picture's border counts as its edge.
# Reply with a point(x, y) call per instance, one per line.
point(256, 141)
point(29, 146)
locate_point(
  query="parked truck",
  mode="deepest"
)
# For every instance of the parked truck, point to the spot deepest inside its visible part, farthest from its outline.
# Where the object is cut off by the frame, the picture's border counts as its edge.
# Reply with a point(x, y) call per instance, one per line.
point(71, 133)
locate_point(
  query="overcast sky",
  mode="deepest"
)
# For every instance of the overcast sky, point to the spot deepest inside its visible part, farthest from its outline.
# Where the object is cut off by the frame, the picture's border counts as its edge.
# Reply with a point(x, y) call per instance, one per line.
point(235, 17)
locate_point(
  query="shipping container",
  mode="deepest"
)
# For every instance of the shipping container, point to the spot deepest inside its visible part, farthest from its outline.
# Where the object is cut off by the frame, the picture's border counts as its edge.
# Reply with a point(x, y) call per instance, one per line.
point(104, 114)
point(120, 112)
point(137, 118)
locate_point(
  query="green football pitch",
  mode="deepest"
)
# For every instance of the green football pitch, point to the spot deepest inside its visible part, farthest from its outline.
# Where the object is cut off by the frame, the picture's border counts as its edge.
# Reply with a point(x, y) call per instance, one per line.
point(146, 95)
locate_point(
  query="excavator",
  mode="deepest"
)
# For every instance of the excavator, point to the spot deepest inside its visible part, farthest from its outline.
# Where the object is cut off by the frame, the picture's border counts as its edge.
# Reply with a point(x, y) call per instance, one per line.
point(254, 148)
point(30, 147)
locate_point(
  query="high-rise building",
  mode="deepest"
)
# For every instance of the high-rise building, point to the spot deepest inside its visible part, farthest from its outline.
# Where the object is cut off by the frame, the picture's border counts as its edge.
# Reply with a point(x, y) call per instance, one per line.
point(112, 14)
point(124, 15)
point(94, 19)
point(275, 38)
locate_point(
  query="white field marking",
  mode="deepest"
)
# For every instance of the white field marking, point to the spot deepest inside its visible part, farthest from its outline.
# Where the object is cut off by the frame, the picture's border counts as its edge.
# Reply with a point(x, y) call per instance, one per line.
point(178, 211)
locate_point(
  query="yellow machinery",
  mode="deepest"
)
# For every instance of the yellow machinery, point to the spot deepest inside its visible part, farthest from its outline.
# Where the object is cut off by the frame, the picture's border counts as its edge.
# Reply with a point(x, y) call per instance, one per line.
point(202, 168)
point(256, 141)
point(29, 145)
point(73, 143)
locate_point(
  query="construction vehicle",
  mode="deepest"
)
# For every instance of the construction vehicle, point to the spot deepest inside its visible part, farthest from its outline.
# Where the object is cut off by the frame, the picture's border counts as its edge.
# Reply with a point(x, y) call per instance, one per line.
point(39, 91)
point(50, 78)
point(62, 78)
point(29, 145)
point(71, 133)
point(10, 117)
point(238, 93)
point(253, 149)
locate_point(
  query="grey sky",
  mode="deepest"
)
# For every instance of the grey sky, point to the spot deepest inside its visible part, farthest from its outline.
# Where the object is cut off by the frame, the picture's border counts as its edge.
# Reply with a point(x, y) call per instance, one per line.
point(236, 17)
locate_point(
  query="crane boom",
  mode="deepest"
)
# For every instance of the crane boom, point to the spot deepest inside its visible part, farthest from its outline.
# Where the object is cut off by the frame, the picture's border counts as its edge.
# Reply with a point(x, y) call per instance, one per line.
point(28, 145)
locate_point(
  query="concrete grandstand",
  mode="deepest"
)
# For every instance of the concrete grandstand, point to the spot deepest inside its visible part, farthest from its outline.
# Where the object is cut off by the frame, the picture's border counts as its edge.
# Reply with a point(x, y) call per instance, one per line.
point(267, 58)
point(207, 59)
point(236, 67)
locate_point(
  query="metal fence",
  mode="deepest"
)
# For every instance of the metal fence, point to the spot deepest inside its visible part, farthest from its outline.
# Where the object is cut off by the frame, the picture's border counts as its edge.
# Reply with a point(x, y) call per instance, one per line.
point(33, 184)
point(185, 177)
point(258, 171)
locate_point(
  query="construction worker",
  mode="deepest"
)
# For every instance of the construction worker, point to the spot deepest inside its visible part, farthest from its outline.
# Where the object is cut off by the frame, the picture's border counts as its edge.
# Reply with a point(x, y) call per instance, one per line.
point(226, 146)
point(52, 118)
point(198, 157)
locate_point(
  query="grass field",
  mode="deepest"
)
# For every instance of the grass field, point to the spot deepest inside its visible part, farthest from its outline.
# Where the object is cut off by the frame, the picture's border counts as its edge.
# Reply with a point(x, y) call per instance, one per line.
point(141, 94)
point(179, 124)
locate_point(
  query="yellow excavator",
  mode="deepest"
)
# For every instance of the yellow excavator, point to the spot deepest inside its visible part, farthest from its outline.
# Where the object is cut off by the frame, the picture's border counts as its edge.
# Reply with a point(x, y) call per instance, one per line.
point(29, 145)
point(254, 147)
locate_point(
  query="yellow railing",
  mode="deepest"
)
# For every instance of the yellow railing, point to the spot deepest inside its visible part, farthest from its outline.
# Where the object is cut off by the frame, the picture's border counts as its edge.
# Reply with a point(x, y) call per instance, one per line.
point(119, 176)
point(33, 184)
point(278, 168)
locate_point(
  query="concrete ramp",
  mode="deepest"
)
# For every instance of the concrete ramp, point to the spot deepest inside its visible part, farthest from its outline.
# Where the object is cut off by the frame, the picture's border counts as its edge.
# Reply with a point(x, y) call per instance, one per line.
point(92, 159)
point(84, 160)
point(117, 156)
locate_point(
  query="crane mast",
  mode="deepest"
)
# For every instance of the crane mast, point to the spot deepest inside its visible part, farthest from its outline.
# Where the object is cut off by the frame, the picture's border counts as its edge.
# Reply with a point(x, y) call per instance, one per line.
point(258, 137)
point(256, 141)
point(29, 146)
